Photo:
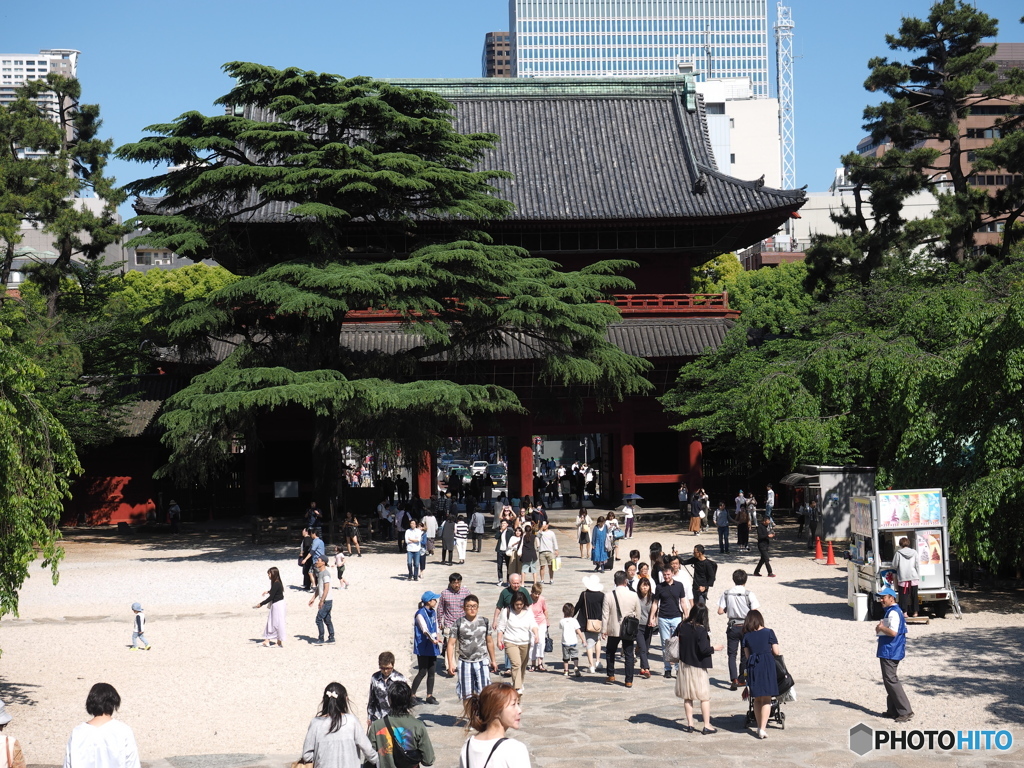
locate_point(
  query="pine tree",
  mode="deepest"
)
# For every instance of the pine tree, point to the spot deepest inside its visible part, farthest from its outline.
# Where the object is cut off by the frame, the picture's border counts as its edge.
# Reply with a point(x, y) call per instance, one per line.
point(382, 207)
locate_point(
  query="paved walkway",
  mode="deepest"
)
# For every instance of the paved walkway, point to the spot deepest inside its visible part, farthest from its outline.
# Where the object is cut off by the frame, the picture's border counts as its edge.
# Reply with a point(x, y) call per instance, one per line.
point(587, 723)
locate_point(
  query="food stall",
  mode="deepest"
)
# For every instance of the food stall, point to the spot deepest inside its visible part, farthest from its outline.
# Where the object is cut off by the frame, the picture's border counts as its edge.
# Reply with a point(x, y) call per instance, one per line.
point(877, 523)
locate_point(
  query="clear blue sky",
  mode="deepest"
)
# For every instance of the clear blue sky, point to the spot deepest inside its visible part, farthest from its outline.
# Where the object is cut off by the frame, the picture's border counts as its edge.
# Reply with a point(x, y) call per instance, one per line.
point(147, 62)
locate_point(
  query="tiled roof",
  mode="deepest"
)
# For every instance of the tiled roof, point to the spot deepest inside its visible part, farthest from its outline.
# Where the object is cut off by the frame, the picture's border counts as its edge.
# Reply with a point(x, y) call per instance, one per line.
point(635, 149)
point(651, 338)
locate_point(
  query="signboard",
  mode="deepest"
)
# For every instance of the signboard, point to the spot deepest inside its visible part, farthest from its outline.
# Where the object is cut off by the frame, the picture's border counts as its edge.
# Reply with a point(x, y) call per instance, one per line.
point(929, 552)
point(910, 509)
point(860, 515)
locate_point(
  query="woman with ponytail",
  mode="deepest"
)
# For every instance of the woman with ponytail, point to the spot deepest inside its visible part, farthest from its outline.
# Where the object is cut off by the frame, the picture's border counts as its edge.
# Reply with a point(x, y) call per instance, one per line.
point(491, 713)
point(334, 738)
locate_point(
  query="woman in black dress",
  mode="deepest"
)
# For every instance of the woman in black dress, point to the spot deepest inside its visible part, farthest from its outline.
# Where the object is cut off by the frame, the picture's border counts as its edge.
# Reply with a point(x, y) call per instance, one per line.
point(760, 647)
point(692, 683)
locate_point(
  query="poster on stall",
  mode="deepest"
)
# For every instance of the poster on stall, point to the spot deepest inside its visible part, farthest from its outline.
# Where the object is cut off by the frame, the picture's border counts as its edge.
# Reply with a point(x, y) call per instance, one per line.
point(860, 515)
point(929, 552)
point(909, 509)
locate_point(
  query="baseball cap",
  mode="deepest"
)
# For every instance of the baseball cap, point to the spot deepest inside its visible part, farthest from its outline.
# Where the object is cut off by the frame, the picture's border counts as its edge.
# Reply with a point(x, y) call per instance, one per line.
point(427, 596)
point(887, 591)
point(136, 606)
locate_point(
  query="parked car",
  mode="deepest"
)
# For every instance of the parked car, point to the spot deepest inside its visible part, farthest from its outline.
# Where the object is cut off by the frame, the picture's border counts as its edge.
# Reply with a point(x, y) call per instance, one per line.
point(499, 475)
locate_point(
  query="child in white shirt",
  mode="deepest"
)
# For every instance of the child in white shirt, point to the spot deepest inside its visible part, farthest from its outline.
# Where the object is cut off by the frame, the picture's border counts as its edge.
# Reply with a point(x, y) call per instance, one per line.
point(339, 563)
point(572, 635)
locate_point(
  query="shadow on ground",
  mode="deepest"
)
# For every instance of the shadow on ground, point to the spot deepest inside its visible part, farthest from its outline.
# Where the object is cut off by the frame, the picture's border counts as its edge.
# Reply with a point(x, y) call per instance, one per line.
point(17, 693)
point(990, 663)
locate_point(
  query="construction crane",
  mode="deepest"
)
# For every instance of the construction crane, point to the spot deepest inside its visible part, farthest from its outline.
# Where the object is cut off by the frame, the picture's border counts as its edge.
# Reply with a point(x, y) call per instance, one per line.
point(784, 73)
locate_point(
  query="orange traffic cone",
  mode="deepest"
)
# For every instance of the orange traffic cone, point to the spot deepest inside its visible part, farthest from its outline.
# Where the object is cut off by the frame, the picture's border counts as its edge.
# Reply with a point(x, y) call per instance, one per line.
point(831, 555)
point(818, 555)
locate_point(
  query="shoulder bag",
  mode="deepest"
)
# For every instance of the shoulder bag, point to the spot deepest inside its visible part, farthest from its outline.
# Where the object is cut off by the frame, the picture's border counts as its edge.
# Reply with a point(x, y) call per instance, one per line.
point(403, 758)
point(592, 625)
point(629, 627)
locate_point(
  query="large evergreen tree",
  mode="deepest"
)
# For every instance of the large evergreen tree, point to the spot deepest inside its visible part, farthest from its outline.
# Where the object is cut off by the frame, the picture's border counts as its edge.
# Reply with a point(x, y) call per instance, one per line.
point(337, 159)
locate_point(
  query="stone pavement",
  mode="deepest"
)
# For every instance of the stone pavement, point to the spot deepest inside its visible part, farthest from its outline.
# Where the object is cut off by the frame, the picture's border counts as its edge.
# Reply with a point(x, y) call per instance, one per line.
point(587, 723)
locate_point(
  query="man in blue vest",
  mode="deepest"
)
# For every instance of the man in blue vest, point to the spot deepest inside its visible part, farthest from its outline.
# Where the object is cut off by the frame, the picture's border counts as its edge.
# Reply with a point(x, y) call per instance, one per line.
point(892, 647)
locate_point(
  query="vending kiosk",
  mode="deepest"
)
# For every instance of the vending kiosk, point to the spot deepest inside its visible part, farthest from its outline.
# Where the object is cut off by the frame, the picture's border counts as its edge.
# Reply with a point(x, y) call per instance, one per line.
point(877, 523)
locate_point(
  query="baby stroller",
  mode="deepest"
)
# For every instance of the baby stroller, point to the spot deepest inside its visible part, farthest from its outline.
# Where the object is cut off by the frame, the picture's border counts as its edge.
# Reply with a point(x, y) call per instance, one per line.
point(776, 715)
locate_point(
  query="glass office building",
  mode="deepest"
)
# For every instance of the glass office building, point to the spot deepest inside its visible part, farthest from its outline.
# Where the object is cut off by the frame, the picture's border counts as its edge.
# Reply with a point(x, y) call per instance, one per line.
point(715, 39)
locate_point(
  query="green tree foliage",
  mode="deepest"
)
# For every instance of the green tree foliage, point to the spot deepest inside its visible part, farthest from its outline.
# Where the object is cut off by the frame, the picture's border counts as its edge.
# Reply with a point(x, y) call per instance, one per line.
point(80, 157)
point(343, 157)
point(37, 461)
point(948, 73)
point(710, 276)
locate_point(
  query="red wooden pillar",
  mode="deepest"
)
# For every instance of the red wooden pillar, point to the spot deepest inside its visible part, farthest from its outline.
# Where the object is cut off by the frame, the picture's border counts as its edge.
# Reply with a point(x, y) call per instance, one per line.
point(626, 451)
point(525, 465)
point(425, 476)
point(696, 463)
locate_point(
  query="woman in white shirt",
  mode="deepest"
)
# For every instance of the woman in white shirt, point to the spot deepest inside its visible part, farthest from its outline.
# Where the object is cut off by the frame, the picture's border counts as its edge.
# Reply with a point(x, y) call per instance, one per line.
point(102, 742)
point(491, 713)
point(413, 537)
point(335, 739)
point(516, 627)
point(583, 525)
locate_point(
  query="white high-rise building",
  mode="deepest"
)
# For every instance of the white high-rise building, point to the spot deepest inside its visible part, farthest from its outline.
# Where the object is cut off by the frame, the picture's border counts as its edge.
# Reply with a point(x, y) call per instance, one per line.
point(713, 39)
point(16, 69)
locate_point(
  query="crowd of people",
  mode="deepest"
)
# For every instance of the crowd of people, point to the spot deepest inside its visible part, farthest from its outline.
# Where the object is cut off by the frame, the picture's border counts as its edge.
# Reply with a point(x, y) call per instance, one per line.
point(668, 595)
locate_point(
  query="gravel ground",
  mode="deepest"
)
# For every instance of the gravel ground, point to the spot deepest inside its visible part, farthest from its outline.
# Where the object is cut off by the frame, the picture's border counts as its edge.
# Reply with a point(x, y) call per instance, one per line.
point(206, 687)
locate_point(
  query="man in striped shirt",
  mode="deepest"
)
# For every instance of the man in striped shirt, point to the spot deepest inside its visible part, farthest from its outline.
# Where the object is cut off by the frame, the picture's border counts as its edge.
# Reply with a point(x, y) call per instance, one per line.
point(472, 645)
point(461, 534)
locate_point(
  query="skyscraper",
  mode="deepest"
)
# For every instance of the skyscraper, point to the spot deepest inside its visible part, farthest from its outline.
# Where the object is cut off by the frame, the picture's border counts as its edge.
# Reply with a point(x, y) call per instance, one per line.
point(497, 55)
point(16, 69)
point(715, 39)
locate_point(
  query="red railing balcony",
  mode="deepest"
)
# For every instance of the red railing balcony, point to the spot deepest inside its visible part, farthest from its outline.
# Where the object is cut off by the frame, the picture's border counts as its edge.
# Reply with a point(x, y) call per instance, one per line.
point(678, 305)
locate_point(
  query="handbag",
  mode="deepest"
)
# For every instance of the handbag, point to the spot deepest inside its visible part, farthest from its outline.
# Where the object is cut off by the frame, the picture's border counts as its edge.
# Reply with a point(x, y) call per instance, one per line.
point(403, 758)
point(592, 625)
point(782, 676)
point(556, 564)
point(672, 650)
point(629, 627)
point(618, 533)
point(549, 644)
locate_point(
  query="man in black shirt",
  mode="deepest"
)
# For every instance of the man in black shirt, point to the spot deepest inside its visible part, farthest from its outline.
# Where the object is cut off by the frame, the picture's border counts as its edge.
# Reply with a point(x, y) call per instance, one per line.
point(704, 572)
point(669, 608)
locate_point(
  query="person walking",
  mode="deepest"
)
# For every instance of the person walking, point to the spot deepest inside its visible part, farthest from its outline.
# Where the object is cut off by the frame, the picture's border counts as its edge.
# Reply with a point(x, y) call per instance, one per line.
point(539, 606)
point(629, 510)
point(598, 551)
point(448, 539)
point(470, 653)
point(174, 516)
point(769, 501)
point(477, 525)
point(695, 650)
point(645, 599)
point(705, 571)
point(413, 543)
point(743, 529)
point(583, 525)
point(461, 534)
point(350, 533)
point(274, 597)
point(670, 605)
point(813, 523)
point(908, 576)
point(323, 611)
point(735, 603)
point(892, 648)
point(589, 609)
point(306, 562)
point(547, 552)
point(764, 537)
point(450, 606)
point(722, 523)
point(501, 545)
point(529, 555)
point(426, 644)
point(334, 738)
point(684, 503)
point(516, 628)
point(491, 713)
point(515, 551)
point(400, 731)
point(381, 682)
point(315, 551)
point(619, 605)
point(139, 629)
point(102, 742)
point(760, 646)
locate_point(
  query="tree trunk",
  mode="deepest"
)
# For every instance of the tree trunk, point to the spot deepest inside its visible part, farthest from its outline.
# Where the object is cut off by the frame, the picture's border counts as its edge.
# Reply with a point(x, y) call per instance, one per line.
point(328, 458)
point(5, 270)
